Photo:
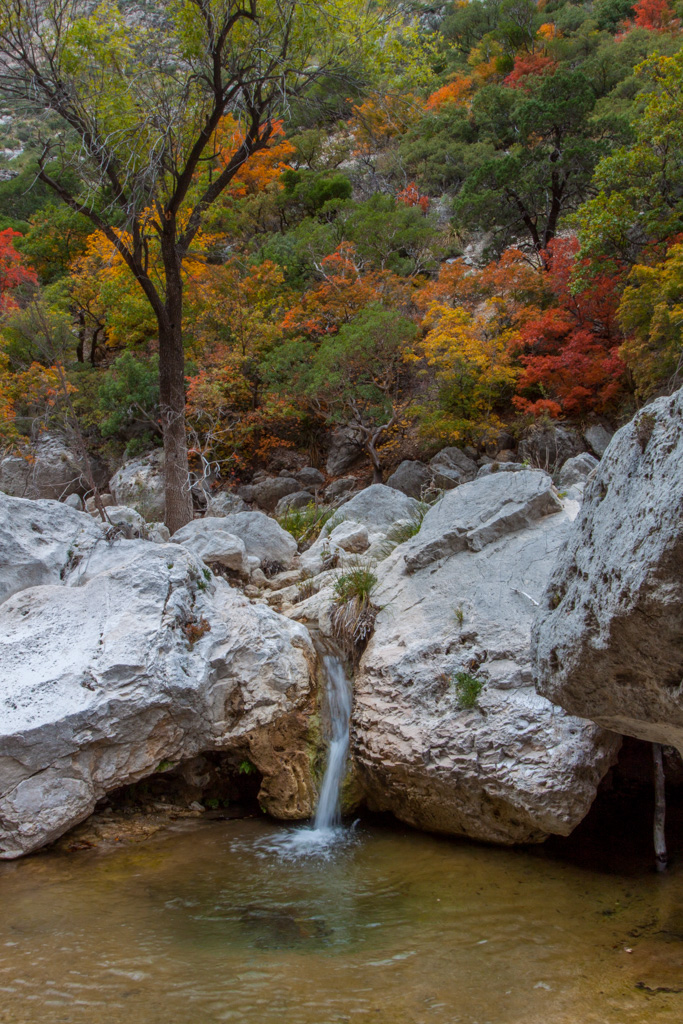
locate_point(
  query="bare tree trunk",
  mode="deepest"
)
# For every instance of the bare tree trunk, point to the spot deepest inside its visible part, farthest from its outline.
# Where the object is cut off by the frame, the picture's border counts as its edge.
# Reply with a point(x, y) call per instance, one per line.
point(661, 856)
point(172, 397)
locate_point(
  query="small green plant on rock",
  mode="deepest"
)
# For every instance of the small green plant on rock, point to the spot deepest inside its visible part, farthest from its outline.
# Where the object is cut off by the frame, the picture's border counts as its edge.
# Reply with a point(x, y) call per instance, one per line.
point(246, 768)
point(353, 619)
point(305, 524)
point(403, 531)
point(459, 615)
point(467, 690)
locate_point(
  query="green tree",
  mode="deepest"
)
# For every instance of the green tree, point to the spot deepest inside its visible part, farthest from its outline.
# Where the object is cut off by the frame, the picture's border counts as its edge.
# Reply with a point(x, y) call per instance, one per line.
point(140, 102)
point(639, 188)
point(361, 375)
point(546, 144)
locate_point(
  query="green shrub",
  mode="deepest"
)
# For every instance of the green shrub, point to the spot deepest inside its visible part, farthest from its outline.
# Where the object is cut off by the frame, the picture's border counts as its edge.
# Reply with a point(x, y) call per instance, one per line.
point(467, 689)
point(355, 583)
point(353, 619)
point(305, 524)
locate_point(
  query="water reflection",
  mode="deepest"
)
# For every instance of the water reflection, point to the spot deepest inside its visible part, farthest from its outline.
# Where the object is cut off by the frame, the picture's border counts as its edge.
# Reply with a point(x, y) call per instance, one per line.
point(218, 922)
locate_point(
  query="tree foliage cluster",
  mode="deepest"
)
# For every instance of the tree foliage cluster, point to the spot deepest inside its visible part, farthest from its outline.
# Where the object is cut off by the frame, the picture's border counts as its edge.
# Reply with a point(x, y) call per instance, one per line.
point(261, 220)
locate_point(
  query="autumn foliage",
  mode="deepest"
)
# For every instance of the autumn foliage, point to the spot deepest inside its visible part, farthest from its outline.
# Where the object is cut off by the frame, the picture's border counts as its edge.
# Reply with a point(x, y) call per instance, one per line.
point(529, 66)
point(570, 351)
point(14, 274)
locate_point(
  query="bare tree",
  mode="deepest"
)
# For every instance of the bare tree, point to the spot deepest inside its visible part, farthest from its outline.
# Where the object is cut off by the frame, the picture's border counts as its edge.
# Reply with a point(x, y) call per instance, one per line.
point(140, 103)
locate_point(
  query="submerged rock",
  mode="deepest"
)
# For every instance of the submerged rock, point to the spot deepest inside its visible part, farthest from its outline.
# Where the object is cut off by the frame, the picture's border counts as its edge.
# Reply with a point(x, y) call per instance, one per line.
point(608, 640)
point(448, 732)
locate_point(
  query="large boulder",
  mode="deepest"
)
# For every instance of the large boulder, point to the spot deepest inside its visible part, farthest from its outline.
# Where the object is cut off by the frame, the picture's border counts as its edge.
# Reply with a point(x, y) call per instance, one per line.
point(222, 503)
point(297, 500)
point(344, 450)
point(480, 512)
point(577, 470)
point(378, 508)
point(310, 478)
point(51, 470)
point(608, 640)
point(41, 541)
point(267, 493)
point(411, 477)
point(263, 537)
point(136, 658)
point(451, 467)
point(598, 437)
point(548, 446)
point(211, 540)
point(139, 484)
point(505, 765)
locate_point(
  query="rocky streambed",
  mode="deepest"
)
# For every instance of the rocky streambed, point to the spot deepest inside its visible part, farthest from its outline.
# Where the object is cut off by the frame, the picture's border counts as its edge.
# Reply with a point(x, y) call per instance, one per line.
point(126, 657)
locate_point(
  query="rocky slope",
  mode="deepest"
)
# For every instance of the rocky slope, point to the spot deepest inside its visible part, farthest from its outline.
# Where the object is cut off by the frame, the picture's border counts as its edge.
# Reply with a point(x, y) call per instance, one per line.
point(608, 640)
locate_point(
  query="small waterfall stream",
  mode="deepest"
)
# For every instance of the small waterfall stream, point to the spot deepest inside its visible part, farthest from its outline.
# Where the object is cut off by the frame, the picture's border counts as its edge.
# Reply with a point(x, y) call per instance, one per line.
point(328, 812)
point(324, 837)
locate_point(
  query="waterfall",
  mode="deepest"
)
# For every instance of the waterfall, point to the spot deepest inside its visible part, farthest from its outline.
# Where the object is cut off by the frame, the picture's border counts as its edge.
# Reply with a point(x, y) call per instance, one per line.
point(339, 696)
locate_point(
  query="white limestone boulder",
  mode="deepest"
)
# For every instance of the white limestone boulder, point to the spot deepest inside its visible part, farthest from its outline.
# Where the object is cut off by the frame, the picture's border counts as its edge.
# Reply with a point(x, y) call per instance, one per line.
point(263, 537)
point(211, 540)
point(480, 512)
point(139, 484)
point(513, 768)
point(223, 503)
point(608, 639)
point(41, 541)
point(135, 659)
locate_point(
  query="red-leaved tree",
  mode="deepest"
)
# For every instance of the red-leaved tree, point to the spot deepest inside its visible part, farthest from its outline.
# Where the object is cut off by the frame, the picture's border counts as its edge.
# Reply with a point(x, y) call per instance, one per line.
point(14, 274)
point(570, 351)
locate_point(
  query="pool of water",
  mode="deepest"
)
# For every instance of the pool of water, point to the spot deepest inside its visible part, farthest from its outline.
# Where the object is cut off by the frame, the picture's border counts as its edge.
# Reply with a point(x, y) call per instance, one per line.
point(244, 921)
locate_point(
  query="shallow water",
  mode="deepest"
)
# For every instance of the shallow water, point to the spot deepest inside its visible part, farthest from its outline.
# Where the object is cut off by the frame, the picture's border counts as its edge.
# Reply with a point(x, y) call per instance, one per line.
point(225, 921)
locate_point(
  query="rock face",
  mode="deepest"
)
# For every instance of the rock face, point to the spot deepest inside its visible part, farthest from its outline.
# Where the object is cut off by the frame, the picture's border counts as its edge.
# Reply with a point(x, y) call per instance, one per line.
point(480, 512)
point(411, 477)
point(54, 471)
point(513, 768)
point(139, 484)
point(211, 540)
point(263, 537)
point(40, 541)
point(608, 640)
point(130, 659)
